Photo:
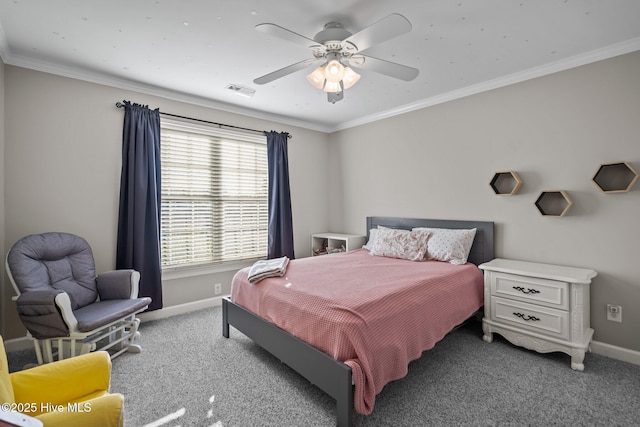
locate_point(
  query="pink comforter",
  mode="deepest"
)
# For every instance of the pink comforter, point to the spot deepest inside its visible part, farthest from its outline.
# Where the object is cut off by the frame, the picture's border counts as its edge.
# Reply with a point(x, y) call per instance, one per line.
point(375, 314)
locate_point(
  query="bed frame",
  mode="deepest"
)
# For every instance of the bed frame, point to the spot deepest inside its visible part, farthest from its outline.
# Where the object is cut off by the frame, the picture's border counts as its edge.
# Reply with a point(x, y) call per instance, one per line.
point(330, 375)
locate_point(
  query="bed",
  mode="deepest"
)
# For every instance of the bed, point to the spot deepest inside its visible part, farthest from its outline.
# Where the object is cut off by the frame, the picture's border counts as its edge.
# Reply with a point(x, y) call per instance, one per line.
point(359, 369)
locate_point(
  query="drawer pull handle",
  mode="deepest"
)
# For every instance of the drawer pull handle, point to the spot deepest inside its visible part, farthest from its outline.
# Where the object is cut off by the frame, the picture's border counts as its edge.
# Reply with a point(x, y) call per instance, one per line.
point(525, 317)
point(526, 291)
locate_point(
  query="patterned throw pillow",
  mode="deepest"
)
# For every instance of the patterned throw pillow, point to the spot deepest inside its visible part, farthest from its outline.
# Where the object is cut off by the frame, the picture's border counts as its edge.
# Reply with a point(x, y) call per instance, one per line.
point(403, 244)
point(450, 245)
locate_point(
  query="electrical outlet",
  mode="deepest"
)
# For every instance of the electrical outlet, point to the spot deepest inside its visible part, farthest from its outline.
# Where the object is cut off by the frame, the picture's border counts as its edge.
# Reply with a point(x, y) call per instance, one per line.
point(614, 313)
point(217, 288)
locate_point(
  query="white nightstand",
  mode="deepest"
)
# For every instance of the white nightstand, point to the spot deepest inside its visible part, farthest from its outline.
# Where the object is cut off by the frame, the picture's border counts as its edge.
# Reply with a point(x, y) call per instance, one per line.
point(541, 307)
point(337, 242)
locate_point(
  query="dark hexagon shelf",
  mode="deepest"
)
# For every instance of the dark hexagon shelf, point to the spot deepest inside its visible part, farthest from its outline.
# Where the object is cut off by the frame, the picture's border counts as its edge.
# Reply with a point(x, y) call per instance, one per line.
point(615, 177)
point(506, 183)
point(554, 203)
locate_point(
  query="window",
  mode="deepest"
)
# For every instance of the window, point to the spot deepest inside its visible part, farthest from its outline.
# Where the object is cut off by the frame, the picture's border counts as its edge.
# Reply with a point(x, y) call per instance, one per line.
point(214, 195)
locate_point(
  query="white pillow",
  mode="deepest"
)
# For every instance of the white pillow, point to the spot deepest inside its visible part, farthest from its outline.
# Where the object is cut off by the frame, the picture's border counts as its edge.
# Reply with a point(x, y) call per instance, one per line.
point(403, 244)
point(450, 245)
point(373, 235)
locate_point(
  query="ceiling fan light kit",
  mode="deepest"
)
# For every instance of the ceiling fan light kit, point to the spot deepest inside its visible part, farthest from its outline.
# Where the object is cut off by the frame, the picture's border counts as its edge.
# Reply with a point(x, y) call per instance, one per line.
point(322, 78)
point(334, 71)
point(334, 47)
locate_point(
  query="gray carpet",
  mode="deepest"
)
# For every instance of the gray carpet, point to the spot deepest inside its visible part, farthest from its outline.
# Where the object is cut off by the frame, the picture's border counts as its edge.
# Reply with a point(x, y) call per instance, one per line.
point(189, 375)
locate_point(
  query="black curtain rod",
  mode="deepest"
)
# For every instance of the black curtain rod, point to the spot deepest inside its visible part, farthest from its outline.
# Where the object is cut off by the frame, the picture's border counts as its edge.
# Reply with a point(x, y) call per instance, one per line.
point(121, 105)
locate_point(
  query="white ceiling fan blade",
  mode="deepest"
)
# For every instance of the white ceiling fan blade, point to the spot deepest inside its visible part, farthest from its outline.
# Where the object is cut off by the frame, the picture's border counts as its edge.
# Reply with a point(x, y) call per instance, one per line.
point(283, 33)
point(385, 29)
point(387, 68)
point(267, 78)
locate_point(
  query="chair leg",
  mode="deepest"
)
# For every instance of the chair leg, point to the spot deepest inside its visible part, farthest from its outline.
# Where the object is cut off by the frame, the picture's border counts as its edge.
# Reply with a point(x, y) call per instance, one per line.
point(44, 350)
point(36, 344)
point(48, 352)
point(134, 348)
point(133, 335)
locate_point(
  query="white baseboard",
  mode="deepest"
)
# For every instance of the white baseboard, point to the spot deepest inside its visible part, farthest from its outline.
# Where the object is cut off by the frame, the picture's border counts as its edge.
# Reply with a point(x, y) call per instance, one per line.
point(173, 310)
point(615, 352)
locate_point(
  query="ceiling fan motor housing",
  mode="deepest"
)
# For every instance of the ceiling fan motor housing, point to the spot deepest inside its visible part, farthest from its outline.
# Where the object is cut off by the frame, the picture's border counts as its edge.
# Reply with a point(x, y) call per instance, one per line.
point(332, 40)
point(333, 32)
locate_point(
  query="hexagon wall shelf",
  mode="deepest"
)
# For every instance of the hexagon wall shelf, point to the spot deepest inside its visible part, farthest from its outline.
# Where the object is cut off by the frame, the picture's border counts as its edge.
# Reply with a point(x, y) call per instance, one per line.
point(615, 177)
point(506, 183)
point(554, 203)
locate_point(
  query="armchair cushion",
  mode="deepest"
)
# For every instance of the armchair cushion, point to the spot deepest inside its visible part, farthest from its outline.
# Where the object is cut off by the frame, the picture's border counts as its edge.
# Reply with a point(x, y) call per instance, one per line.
point(69, 380)
point(60, 260)
point(102, 313)
point(40, 314)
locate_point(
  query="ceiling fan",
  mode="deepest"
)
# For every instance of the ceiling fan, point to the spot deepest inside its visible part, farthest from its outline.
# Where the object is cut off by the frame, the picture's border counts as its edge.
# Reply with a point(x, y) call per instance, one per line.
point(335, 50)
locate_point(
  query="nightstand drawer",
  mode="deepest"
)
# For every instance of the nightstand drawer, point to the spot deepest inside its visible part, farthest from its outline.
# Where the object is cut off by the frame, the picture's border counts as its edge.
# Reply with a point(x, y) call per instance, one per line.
point(550, 293)
point(543, 320)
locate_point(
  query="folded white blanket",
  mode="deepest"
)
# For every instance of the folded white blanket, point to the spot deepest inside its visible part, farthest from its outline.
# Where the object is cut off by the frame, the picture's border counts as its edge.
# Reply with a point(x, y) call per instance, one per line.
point(268, 268)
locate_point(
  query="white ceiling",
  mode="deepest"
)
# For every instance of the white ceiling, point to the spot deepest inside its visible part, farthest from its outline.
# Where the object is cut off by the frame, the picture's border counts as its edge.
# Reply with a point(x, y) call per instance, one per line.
point(192, 50)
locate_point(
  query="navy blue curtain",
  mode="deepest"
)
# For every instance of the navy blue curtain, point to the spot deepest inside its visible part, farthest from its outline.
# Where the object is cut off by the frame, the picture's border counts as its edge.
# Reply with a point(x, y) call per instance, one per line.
point(280, 217)
point(138, 244)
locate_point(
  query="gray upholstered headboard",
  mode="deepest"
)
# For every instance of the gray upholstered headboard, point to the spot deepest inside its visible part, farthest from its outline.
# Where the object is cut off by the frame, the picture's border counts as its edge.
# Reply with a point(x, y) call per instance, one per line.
point(481, 251)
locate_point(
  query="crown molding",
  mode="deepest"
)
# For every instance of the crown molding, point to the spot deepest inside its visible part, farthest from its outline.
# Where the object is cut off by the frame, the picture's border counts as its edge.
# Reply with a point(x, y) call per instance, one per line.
point(4, 45)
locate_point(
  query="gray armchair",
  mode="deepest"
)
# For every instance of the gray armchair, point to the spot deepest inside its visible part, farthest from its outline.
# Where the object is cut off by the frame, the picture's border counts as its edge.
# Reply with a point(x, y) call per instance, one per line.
point(66, 308)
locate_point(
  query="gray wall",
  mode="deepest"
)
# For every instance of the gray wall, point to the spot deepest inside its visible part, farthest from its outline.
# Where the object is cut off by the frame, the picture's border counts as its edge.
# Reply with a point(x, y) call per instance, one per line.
point(554, 131)
point(63, 140)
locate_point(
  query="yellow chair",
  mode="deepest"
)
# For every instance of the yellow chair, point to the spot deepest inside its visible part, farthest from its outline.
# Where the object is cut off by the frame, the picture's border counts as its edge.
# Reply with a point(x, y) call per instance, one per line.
point(70, 392)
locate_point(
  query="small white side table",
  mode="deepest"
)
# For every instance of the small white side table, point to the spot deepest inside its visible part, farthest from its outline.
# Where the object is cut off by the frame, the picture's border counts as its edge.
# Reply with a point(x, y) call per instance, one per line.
point(321, 241)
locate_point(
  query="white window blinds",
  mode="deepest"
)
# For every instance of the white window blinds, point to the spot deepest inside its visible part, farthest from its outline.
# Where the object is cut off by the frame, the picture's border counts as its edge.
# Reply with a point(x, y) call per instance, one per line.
point(214, 195)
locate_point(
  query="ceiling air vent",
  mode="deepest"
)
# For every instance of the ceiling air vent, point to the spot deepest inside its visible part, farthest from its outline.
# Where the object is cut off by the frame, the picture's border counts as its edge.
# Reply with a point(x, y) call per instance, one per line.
point(247, 92)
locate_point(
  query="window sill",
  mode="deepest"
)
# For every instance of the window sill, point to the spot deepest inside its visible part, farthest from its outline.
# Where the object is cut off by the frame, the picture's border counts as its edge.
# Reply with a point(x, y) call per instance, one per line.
point(203, 270)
